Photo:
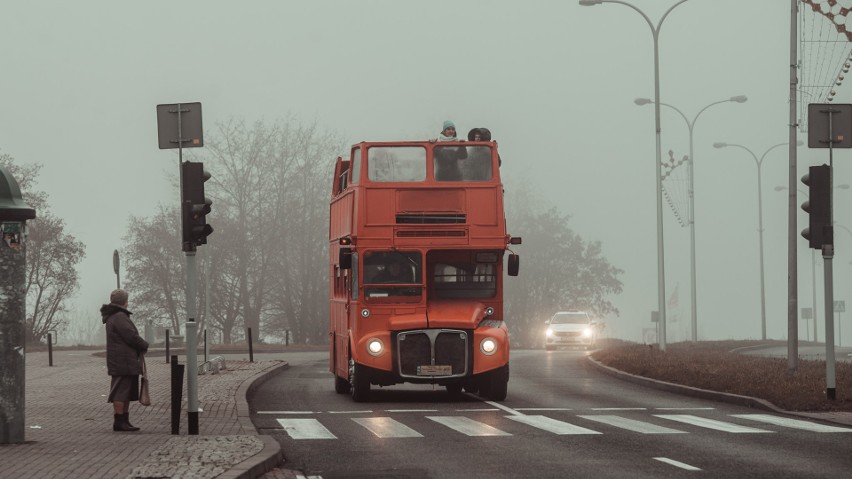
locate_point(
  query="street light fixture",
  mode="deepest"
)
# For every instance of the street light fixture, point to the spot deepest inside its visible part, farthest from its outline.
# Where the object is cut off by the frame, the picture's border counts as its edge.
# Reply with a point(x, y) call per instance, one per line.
point(758, 162)
point(691, 168)
point(661, 275)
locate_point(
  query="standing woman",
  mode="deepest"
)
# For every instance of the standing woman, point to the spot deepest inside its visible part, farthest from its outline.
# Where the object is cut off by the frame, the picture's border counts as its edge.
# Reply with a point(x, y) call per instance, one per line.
point(124, 361)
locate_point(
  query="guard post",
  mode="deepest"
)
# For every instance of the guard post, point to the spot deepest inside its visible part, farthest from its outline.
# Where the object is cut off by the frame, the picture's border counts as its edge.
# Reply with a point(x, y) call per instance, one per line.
point(13, 216)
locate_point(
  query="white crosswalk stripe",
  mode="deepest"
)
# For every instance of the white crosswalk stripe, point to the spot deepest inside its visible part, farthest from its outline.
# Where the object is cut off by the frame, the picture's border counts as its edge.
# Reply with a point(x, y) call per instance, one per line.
point(632, 424)
point(305, 429)
point(793, 423)
point(552, 425)
point(386, 427)
point(711, 423)
point(468, 426)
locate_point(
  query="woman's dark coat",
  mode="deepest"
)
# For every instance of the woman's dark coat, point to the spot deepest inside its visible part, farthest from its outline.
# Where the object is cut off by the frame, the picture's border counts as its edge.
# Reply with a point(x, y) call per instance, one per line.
point(124, 345)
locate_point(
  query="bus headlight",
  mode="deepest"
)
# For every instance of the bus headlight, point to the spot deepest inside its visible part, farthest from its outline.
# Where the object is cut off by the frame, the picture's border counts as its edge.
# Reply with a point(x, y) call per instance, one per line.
point(587, 332)
point(365, 313)
point(489, 311)
point(488, 346)
point(375, 346)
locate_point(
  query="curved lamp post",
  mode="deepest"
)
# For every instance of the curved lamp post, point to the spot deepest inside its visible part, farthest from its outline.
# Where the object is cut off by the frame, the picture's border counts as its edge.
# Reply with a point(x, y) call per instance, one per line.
point(661, 275)
point(691, 193)
point(758, 162)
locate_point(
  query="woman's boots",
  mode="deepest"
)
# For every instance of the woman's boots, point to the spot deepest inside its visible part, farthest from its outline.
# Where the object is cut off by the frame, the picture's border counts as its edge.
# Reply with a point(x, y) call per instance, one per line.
point(122, 423)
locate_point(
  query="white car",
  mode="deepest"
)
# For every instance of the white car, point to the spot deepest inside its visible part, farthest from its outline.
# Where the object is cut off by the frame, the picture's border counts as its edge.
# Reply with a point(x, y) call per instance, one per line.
point(570, 328)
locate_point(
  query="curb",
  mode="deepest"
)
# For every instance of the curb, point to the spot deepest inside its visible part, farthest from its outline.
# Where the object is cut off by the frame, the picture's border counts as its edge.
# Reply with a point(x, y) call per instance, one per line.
point(746, 401)
point(271, 455)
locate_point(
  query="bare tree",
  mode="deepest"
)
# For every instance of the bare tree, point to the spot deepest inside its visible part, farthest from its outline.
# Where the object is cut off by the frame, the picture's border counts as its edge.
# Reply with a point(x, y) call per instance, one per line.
point(300, 300)
point(52, 258)
point(559, 270)
point(155, 269)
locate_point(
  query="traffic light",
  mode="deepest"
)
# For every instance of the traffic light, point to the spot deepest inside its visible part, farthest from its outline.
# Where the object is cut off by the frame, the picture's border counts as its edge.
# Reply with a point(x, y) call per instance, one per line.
point(194, 205)
point(818, 206)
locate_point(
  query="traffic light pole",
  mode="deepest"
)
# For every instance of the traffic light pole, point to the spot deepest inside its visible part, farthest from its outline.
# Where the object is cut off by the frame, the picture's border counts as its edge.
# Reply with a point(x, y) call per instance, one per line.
point(830, 387)
point(828, 278)
point(191, 344)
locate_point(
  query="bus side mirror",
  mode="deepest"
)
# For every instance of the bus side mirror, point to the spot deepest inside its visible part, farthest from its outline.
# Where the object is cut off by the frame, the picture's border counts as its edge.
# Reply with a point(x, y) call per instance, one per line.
point(345, 258)
point(514, 264)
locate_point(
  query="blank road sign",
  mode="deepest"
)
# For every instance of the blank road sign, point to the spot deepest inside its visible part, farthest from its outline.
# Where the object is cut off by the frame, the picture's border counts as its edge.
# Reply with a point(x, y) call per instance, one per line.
point(186, 135)
point(839, 135)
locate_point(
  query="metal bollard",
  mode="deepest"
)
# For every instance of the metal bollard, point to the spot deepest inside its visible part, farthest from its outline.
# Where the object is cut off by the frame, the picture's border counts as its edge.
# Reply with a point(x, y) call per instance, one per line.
point(251, 352)
point(177, 393)
point(49, 350)
point(167, 346)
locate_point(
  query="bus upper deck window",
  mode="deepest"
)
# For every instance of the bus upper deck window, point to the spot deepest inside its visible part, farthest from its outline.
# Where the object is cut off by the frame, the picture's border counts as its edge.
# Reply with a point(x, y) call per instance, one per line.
point(462, 163)
point(396, 163)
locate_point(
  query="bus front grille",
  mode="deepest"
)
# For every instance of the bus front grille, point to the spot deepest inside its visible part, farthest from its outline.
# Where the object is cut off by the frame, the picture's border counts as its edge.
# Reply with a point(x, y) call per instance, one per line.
point(435, 353)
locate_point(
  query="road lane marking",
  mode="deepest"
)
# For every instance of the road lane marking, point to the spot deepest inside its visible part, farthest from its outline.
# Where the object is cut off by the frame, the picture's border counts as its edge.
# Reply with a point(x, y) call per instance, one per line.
point(484, 409)
point(286, 412)
point(552, 425)
point(793, 423)
point(677, 464)
point(411, 410)
point(685, 408)
point(632, 425)
point(305, 429)
point(385, 427)
point(542, 409)
point(619, 409)
point(711, 423)
point(505, 408)
point(468, 426)
point(365, 411)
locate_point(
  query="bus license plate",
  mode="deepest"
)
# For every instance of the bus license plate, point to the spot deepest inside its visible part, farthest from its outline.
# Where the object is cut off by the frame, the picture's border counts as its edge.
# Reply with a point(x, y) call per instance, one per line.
point(434, 370)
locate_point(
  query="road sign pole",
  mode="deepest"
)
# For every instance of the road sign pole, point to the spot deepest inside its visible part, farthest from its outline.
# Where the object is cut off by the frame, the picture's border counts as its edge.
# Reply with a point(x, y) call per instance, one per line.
point(830, 388)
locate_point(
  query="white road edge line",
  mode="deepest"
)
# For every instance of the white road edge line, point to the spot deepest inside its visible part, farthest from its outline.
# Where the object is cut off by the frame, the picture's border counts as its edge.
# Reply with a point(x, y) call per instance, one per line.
point(677, 464)
point(285, 412)
point(505, 408)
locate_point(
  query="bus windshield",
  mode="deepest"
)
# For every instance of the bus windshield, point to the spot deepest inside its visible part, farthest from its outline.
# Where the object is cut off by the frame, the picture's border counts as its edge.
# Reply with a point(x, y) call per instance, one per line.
point(464, 274)
point(393, 273)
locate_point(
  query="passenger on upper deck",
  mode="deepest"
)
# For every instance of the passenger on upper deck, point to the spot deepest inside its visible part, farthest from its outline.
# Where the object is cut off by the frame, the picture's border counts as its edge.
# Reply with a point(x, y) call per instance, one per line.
point(447, 158)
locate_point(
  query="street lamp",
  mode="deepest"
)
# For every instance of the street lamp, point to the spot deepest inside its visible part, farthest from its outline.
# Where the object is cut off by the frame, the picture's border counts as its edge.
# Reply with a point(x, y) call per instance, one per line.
point(691, 193)
point(758, 162)
point(661, 275)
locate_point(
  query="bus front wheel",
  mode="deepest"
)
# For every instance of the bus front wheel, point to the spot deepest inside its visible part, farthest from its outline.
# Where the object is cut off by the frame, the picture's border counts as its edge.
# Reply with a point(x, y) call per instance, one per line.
point(341, 385)
point(359, 382)
point(495, 384)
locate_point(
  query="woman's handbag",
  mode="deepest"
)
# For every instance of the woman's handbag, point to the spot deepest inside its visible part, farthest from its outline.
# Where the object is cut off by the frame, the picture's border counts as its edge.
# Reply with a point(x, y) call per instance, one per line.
point(144, 394)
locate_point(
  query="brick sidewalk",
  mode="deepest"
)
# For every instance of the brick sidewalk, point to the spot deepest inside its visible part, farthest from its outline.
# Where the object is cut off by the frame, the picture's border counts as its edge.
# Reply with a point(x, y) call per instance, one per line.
point(69, 424)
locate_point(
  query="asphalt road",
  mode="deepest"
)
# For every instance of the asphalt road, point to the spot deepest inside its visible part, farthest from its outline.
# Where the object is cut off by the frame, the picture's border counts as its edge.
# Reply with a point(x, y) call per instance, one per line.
point(562, 418)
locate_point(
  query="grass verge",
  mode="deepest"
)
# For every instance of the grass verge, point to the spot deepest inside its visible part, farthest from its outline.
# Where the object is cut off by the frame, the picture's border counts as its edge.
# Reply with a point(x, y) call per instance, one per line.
point(713, 366)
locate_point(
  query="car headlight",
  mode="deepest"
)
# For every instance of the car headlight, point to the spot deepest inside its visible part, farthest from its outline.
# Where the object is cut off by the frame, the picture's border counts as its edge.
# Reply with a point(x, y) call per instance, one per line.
point(375, 346)
point(587, 332)
point(488, 346)
point(549, 333)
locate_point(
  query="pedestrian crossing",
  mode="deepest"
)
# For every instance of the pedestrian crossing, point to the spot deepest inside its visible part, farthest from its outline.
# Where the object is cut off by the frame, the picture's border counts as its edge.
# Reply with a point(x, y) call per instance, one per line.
point(499, 425)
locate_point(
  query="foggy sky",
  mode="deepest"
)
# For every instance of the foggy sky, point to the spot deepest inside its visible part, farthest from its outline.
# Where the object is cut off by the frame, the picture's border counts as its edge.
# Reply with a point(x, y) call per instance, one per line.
point(554, 81)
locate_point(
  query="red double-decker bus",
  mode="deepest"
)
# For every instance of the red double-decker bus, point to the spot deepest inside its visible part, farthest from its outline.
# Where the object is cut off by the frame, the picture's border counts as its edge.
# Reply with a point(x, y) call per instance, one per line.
point(417, 243)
